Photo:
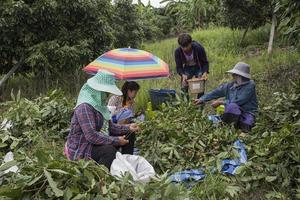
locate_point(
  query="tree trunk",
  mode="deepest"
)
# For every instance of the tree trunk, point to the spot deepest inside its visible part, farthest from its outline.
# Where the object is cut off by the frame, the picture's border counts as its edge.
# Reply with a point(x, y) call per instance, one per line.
point(244, 35)
point(272, 33)
point(11, 72)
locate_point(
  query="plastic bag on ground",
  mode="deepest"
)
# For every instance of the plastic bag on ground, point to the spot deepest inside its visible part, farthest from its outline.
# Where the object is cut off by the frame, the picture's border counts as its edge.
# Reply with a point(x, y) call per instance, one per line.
point(186, 175)
point(140, 169)
point(7, 158)
point(230, 166)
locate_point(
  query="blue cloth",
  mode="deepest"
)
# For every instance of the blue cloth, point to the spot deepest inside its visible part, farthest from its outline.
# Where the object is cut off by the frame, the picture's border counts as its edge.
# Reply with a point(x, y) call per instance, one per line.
point(229, 166)
point(214, 118)
point(188, 175)
point(243, 95)
point(141, 118)
point(125, 113)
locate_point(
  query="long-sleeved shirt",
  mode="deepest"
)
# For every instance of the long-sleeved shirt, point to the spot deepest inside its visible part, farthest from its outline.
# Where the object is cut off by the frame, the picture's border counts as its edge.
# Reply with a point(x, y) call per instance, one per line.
point(85, 132)
point(199, 56)
point(243, 95)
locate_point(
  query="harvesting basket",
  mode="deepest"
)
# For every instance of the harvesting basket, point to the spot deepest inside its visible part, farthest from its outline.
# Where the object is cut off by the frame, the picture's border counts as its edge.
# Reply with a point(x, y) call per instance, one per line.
point(196, 85)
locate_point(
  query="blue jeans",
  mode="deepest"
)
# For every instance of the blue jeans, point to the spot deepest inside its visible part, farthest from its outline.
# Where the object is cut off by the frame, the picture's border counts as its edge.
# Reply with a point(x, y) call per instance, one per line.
point(190, 72)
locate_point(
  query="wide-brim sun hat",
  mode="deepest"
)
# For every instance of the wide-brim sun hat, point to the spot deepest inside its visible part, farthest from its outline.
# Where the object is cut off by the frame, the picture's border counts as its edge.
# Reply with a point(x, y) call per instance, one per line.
point(241, 69)
point(104, 81)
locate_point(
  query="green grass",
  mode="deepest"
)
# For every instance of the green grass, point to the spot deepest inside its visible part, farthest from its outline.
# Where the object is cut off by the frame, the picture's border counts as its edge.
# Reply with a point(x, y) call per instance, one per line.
point(32, 85)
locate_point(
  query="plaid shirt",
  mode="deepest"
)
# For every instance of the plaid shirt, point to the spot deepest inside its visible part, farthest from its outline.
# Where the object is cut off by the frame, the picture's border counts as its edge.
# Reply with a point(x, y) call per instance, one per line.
point(85, 132)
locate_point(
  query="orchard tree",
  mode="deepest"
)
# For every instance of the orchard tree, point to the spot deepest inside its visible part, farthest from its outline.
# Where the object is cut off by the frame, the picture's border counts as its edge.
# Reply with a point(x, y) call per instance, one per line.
point(53, 36)
point(286, 18)
point(127, 25)
point(246, 14)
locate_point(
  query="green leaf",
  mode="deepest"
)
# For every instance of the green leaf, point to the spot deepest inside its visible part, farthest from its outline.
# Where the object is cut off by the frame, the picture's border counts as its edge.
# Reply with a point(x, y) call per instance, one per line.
point(252, 178)
point(14, 144)
point(34, 180)
point(14, 193)
point(271, 178)
point(169, 190)
point(240, 169)
point(8, 165)
point(274, 195)
point(223, 155)
point(232, 190)
point(53, 184)
point(201, 143)
point(298, 193)
point(104, 190)
point(42, 156)
point(79, 196)
point(85, 165)
point(12, 96)
point(68, 194)
point(2, 145)
point(219, 165)
point(58, 171)
point(18, 96)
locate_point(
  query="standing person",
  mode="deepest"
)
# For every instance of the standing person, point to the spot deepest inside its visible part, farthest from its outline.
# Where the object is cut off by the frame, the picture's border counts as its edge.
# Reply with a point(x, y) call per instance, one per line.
point(190, 60)
point(240, 98)
point(92, 136)
point(124, 105)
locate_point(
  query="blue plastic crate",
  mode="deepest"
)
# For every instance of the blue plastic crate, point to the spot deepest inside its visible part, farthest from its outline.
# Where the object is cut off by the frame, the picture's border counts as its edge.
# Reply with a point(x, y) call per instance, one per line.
point(159, 96)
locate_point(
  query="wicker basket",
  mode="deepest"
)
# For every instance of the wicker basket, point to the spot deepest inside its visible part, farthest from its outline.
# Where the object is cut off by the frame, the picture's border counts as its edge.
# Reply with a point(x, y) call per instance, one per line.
point(196, 85)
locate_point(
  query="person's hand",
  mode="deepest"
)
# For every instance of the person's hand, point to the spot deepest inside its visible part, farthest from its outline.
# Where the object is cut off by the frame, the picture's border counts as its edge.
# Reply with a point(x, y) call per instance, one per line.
point(204, 76)
point(122, 140)
point(217, 103)
point(134, 127)
point(198, 101)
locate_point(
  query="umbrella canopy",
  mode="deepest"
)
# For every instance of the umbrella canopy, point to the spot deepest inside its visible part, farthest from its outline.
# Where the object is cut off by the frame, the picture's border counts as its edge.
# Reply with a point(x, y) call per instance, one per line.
point(129, 64)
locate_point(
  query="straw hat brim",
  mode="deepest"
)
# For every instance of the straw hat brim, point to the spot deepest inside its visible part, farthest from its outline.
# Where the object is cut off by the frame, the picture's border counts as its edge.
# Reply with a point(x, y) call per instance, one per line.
point(113, 89)
point(234, 71)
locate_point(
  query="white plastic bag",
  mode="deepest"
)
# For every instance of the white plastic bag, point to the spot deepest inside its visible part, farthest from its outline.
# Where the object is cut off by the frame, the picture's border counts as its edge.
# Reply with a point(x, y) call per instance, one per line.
point(7, 158)
point(6, 125)
point(140, 169)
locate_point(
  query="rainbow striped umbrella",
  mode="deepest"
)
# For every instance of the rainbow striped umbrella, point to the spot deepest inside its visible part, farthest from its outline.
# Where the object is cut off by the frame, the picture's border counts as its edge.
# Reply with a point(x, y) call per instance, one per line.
point(129, 64)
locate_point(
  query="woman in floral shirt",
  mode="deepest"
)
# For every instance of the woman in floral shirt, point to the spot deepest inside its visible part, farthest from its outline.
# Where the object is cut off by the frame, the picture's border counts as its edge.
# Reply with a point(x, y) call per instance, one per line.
point(124, 106)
